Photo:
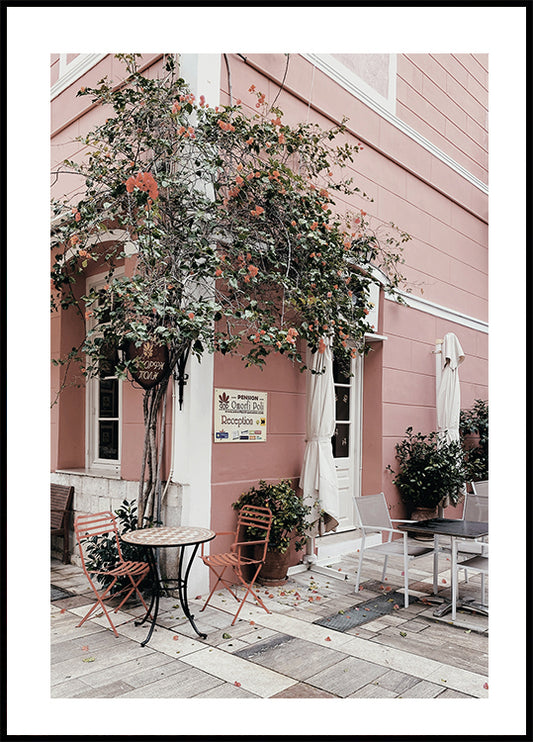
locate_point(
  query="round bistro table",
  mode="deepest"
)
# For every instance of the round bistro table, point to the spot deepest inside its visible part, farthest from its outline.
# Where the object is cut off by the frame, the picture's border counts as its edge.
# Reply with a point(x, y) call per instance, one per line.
point(165, 536)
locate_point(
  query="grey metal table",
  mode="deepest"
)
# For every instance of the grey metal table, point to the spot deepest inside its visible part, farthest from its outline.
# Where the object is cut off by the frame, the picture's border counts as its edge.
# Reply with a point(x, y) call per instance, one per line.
point(457, 530)
point(163, 537)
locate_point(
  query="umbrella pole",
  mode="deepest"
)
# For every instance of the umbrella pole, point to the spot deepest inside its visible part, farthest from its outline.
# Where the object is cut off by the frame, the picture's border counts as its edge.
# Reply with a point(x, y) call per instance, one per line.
point(438, 377)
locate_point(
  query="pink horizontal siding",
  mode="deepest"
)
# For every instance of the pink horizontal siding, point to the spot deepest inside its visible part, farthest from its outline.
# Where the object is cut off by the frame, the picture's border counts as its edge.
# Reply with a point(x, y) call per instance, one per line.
point(445, 98)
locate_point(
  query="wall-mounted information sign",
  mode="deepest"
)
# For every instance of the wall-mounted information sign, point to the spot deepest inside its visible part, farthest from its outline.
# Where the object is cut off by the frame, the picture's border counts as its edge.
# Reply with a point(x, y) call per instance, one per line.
point(240, 416)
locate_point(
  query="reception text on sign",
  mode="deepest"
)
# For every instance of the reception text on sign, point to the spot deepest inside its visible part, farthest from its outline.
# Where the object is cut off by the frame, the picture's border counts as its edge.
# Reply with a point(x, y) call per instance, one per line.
point(240, 416)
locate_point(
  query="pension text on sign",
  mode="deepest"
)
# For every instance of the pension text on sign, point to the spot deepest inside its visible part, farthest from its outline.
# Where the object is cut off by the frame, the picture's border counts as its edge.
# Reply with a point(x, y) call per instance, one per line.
point(240, 416)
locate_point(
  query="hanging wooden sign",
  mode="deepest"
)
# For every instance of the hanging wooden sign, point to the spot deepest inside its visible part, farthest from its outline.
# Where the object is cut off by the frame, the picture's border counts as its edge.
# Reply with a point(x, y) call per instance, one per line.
point(152, 362)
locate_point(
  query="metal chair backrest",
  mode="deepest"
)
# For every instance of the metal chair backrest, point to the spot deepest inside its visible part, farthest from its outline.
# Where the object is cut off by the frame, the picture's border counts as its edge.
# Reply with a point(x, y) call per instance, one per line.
point(97, 524)
point(373, 511)
point(476, 508)
point(481, 488)
point(260, 519)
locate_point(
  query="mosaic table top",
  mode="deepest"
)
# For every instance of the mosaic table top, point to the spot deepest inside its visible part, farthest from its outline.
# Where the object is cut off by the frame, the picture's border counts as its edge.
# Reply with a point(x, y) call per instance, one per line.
point(169, 536)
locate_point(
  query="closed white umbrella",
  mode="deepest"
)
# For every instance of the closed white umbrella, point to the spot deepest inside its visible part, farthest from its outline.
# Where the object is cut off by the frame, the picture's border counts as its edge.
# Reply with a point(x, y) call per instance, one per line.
point(318, 478)
point(449, 394)
point(449, 390)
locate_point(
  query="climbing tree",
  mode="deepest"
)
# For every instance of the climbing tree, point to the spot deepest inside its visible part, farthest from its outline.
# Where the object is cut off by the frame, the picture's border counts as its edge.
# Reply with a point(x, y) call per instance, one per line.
point(238, 227)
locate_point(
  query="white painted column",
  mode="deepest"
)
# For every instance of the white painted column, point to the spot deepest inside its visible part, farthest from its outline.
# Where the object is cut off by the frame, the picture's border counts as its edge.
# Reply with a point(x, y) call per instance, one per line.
point(192, 425)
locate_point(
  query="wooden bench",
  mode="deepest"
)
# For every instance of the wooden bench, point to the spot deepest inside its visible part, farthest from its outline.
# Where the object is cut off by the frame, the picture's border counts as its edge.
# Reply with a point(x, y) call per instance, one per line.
point(60, 507)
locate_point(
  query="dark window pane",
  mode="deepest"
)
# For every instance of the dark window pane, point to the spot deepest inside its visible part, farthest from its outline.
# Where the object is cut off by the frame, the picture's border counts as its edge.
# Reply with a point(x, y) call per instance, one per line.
point(342, 403)
point(339, 376)
point(341, 441)
point(108, 400)
point(108, 439)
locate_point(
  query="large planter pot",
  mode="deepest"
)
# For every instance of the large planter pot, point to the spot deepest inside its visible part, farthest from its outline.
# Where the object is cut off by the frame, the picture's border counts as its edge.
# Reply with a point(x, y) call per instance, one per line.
point(274, 570)
point(423, 514)
point(470, 440)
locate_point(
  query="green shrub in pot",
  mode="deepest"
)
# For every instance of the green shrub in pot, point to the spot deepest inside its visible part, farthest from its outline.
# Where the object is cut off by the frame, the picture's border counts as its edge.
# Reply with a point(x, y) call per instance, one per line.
point(289, 514)
point(429, 470)
point(475, 421)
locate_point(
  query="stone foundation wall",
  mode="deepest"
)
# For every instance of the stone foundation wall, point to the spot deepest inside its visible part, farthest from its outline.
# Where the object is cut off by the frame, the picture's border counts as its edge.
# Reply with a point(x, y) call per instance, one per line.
point(96, 494)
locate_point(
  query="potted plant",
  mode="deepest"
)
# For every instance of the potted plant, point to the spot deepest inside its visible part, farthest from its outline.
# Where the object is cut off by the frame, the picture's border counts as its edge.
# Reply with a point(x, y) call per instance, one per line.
point(289, 525)
point(474, 433)
point(431, 472)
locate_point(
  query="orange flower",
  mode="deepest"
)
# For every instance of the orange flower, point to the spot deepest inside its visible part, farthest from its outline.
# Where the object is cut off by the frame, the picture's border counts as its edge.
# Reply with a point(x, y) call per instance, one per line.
point(314, 225)
point(77, 216)
point(321, 346)
point(251, 89)
point(74, 239)
point(191, 315)
point(250, 140)
point(253, 270)
point(258, 210)
point(239, 180)
point(218, 272)
point(281, 138)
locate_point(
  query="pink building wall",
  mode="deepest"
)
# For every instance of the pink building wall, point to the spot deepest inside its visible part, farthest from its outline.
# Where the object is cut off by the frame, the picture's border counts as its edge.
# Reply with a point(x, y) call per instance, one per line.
point(443, 98)
point(446, 216)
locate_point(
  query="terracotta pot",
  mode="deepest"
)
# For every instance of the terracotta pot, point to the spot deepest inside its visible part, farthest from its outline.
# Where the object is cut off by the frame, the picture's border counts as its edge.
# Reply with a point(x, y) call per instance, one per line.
point(470, 440)
point(274, 570)
point(423, 514)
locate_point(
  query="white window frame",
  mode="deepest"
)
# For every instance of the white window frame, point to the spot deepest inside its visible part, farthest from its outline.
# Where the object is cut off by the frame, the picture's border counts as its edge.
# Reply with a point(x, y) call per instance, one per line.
point(351, 466)
point(348, 79)
point(92, 461)
point(69, 72)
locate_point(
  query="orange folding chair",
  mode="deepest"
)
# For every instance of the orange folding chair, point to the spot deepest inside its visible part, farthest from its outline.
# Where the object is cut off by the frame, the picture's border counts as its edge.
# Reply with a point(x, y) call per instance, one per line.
point(104, 524)
point(253, 530)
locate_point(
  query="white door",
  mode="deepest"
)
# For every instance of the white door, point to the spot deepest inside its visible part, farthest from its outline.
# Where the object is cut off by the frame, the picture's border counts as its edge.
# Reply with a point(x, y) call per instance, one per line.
point(347, 439)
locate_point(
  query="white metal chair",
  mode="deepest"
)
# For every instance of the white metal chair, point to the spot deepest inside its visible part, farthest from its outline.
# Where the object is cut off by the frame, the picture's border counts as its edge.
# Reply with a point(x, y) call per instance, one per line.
point(374, 518)
point(477, 563)
point(474, 554)
point(481, 487)
point(476, 507)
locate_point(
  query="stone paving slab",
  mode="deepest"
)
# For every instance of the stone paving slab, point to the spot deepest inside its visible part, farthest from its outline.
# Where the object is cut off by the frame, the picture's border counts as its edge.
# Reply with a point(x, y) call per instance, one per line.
point(291, 656)
point(422, 689)
point(259, 680)
point(303, 690)
point(346, 676)
point(396, 682)
point(187, 684)
point(138, 672)
point(372, 690)
point(422, 645)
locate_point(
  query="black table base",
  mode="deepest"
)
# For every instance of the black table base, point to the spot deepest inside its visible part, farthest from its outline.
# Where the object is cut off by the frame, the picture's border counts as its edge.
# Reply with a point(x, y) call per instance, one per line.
point(158, 589)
